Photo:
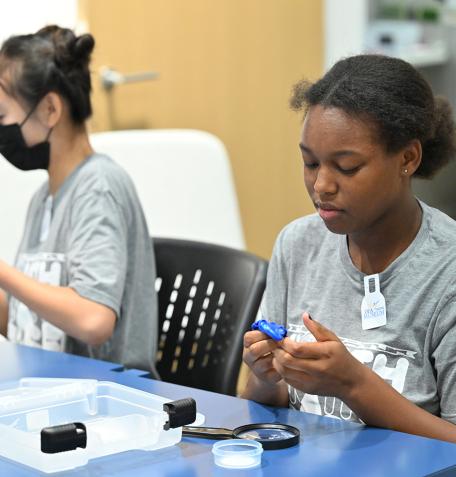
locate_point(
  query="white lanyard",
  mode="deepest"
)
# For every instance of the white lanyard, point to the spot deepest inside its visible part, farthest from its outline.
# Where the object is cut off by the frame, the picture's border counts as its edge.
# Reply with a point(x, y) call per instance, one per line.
point(47, 217)
point(373, 307)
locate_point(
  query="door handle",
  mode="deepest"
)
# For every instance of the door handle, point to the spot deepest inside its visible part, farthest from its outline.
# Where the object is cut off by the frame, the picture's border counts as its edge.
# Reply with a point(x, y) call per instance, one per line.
point(111, 77)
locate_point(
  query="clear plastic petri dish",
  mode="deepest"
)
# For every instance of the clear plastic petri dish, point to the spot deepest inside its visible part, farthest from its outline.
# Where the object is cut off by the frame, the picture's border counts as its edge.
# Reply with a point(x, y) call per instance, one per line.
point(237, 453)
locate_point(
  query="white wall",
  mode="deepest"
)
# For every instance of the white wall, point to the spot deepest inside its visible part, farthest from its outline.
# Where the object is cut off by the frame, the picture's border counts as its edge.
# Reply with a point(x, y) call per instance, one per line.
point(345, 23)
point(27, 16)
point(16, 187)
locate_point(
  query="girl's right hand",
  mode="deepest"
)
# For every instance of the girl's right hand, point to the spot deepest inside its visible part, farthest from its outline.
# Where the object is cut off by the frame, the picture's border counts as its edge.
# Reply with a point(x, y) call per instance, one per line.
point(257, 355)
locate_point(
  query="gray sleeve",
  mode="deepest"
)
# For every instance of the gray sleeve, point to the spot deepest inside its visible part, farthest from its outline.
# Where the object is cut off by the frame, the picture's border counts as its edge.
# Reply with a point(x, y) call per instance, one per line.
point(274, 303)
point(444, 357)
point(97, 249)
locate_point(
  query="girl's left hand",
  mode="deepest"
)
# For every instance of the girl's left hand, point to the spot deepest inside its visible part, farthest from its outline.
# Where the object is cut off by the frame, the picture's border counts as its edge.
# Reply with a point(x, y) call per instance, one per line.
point(324, 367)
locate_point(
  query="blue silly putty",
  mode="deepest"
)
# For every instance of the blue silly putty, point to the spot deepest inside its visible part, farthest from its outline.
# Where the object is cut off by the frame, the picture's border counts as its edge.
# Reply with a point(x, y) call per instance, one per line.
point(275, 331)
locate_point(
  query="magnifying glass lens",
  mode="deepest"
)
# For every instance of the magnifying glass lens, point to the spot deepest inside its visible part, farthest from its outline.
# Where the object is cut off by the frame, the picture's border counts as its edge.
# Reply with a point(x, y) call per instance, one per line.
point(266, 434)
point(271, 436)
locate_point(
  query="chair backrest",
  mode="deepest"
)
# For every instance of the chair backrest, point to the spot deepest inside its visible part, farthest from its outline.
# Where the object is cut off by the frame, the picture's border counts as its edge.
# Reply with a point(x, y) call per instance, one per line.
point(208, 296)
point(184, 181)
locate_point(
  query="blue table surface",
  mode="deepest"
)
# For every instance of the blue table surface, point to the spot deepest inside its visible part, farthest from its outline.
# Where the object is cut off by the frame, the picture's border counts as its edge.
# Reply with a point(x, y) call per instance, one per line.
point(328, 447)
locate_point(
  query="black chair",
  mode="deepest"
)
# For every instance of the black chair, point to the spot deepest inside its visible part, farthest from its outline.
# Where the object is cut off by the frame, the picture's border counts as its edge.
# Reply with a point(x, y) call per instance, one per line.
point(208, 296)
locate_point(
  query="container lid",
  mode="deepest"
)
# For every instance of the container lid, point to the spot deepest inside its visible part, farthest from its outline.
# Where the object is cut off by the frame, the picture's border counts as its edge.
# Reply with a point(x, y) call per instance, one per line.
point(237, 453)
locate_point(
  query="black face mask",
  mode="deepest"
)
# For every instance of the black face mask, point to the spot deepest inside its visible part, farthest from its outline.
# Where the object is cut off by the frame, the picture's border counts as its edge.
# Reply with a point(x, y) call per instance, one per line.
point(16, 151)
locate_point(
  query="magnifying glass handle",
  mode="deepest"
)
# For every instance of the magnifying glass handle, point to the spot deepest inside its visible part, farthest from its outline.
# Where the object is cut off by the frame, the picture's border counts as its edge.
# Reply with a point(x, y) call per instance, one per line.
point(207, 432)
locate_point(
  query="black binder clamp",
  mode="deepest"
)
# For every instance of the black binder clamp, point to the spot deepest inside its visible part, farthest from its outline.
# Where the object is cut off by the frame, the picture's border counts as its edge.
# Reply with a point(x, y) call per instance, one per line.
point(63, 438)
point(180, 412)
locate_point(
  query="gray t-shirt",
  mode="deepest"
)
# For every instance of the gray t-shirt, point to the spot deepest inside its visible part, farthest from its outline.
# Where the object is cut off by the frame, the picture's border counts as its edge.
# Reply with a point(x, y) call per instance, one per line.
point(311, 270)
point(92, 237)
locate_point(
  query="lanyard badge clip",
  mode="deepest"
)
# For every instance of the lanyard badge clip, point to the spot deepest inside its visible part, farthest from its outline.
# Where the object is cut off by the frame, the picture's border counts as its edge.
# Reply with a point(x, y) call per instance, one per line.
point(373, 307)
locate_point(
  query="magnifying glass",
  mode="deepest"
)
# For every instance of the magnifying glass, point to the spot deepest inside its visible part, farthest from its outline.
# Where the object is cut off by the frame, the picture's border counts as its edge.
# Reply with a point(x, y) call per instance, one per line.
point(271, 436)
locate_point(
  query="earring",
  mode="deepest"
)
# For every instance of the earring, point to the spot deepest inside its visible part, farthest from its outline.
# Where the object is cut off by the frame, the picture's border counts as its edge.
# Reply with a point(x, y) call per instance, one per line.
point(405, 171)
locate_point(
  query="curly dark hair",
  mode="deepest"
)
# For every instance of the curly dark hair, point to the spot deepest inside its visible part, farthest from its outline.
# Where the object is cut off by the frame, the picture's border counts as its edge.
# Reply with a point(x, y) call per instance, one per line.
point(394, 96)
point(52, 59)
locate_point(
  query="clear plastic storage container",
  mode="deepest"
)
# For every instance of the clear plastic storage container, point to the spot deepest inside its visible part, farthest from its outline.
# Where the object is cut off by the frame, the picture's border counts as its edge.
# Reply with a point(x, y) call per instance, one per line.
point(95, 419)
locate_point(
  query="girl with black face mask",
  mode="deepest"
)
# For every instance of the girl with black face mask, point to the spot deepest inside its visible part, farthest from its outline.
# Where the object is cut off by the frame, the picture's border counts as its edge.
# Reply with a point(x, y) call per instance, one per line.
point(85, 230)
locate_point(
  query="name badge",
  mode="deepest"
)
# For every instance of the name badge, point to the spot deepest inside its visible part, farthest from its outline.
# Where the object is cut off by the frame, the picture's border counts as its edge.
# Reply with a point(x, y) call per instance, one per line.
point(373, 307)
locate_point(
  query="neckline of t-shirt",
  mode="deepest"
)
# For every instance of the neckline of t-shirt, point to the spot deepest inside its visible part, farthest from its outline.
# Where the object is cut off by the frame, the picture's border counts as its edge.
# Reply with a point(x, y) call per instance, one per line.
point(69, 180)
point(398, 263)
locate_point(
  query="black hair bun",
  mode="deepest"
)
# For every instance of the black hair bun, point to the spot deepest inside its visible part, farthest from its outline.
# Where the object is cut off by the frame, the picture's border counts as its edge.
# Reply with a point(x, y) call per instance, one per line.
point(83, 46)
